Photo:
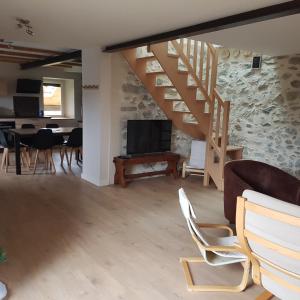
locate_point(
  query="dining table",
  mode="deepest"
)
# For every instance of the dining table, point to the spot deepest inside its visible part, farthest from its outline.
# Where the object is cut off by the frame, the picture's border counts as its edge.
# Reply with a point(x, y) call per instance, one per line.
point(19, 133)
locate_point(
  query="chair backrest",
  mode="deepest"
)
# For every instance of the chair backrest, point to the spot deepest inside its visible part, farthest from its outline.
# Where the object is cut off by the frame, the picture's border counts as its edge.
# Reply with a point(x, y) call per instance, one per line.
point(44, 139)
point(197, 158)
point(52, 125)
point(27, 126)
point(189, 214)
point(269, 233)
point(75, 138)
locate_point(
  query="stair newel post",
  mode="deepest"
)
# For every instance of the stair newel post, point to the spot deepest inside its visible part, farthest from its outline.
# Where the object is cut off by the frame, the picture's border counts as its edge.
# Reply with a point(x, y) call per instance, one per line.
point(209, 154)
point(224, 141)
point(201, 62)
point(195, 56)
point(207, 69)
point(214, 70)
point(181, 43)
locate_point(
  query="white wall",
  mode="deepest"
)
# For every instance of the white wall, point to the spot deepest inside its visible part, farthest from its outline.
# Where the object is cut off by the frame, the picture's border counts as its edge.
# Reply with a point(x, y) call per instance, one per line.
point(97, 120)
point(11, 72)
point(69, 98)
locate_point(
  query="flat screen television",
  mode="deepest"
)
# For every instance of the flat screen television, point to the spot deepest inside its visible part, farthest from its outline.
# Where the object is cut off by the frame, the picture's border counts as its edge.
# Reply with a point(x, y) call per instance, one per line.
point(28, 86)
point(148, 136)
point(26, 107)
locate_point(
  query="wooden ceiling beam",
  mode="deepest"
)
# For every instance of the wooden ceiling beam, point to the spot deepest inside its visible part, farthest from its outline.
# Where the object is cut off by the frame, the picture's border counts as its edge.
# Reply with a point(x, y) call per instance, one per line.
point(51, 60)
point(245, 18)
point(21, 54)
point(13, 59)
point(27, 49)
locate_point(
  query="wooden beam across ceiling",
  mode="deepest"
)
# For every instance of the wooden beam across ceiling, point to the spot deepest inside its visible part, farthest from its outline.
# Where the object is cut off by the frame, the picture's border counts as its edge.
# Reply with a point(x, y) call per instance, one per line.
point(245, 18)
point(28, 49)
point(16, 60)
point(21, 54)
point(52, 60)
point(20, 60)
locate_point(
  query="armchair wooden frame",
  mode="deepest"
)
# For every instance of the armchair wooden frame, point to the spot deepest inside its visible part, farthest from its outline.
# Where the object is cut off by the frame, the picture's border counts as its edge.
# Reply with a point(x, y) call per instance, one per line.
point(245, 235)
point(215, 251)
point(185, 261)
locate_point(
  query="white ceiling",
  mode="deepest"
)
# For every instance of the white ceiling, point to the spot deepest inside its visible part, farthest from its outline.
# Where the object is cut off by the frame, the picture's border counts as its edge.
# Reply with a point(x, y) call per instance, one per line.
point(88, 23)
point(275, 37)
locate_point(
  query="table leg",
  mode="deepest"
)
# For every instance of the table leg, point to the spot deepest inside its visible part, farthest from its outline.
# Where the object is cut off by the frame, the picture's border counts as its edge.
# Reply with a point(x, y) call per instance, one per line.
point(172, 168)
point(17, 153)
point(116, 178)
point(122, 176)
point(175, 172)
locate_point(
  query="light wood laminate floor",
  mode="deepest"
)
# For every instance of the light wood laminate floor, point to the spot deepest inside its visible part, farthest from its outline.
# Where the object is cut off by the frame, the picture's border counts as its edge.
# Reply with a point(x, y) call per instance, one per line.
point(68, 240)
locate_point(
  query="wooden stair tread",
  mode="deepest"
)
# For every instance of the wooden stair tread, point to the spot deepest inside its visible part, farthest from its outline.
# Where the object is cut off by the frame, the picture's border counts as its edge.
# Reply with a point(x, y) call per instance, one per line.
point(146, 58)
point(231, 148)
point(156, 72)
point(173, 99)
point(183, 71)
point(164, 86)
point(173, 55)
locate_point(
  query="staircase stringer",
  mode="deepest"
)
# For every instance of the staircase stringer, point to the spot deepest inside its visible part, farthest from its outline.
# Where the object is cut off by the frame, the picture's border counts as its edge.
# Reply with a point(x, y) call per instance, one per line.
point(179, 80)
point(139, 66)
point(201, 61)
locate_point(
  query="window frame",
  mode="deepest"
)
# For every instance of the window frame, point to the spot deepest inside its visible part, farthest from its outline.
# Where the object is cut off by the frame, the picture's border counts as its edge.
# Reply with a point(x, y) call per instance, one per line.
point(55, 82)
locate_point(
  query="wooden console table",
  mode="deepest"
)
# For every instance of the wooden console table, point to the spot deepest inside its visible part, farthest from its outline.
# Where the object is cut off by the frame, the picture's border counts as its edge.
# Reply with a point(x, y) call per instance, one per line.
point(121, 163)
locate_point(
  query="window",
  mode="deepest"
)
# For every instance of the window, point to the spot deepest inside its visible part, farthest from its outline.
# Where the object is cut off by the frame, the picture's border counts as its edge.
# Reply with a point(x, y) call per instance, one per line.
point(52, 93)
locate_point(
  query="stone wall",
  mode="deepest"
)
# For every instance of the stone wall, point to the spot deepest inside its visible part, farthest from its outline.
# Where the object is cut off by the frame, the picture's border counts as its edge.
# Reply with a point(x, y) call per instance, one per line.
point(265, 107)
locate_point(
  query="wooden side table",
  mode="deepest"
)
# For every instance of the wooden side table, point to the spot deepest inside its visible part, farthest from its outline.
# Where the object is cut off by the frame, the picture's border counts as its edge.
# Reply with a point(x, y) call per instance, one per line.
point(121, 163)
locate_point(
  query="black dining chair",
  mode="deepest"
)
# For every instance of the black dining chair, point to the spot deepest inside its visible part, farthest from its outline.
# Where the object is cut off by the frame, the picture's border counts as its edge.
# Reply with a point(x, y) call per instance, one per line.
point(58, 140)
point(74, 143)
point(43, 141)
point(8, 146)
point(27, 141)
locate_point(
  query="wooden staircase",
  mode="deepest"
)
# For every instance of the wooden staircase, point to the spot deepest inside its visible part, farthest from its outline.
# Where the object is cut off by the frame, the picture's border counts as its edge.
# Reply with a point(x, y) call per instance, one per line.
point(187, 70)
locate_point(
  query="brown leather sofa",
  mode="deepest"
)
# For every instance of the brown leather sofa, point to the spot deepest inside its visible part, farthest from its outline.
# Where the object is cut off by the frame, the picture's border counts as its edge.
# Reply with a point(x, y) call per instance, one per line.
point(254, 175)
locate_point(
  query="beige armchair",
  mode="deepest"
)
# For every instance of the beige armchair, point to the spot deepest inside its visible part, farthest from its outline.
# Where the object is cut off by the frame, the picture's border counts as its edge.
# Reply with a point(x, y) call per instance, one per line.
point(215, 251)
point(268, 231)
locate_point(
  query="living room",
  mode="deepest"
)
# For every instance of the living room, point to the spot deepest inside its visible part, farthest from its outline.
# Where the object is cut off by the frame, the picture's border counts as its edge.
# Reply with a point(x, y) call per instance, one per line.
point(219, 99)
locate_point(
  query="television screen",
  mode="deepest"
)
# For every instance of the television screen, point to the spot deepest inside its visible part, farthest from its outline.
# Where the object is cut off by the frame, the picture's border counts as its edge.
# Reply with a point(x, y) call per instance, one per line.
point(28, 86)
point(26, 106)
point(148, 136)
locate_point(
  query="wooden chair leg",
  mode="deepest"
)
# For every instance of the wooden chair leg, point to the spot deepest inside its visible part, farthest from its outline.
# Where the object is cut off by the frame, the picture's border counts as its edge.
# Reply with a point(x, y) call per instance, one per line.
point(35, 161)
point(4, 158)
point(28, 155)
point(62, 155)
point(212, 288)
point(7, 160)
point(77, 153)
point(67, 157)
point(206, 178)
point(24, 158)
point(265, 296)
point(51, 162)
point(71, 154)
point(184, 169)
